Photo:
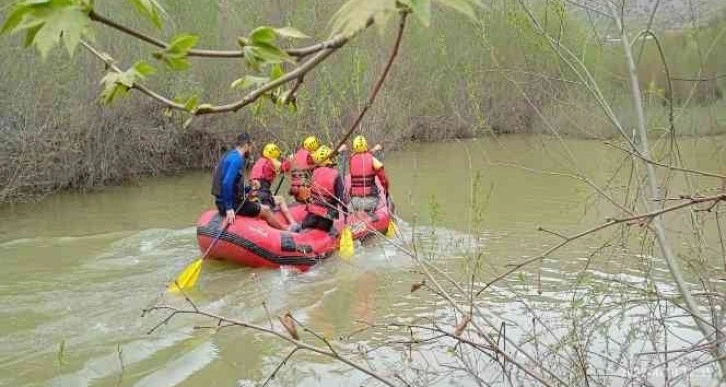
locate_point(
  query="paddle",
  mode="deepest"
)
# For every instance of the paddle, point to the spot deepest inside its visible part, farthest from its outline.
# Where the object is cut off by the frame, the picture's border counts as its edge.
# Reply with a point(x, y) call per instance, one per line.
point(346, 248)
point(188, 278)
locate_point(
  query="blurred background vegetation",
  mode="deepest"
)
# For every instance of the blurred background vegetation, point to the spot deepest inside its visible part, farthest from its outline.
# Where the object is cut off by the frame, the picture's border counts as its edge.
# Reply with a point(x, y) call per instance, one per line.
point(456, 79)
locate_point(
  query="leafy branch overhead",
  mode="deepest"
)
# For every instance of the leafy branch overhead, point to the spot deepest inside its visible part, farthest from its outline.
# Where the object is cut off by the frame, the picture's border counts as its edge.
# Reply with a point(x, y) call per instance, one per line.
point(51, 23)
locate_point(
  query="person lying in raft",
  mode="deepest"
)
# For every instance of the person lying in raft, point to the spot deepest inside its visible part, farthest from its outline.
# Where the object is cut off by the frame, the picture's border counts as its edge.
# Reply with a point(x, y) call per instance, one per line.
point(326, 193)
point(260, 196)
point(300, 166)
point(228, 184)
point(364, 168)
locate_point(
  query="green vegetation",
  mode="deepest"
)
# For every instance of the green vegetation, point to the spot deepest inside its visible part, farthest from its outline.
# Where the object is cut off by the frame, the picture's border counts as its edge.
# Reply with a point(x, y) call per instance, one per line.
point(454, 79)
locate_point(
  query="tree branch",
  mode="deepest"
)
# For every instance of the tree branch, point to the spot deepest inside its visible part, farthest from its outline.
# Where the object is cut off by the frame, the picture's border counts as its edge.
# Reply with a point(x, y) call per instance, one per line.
point(377, 86)
point(670, 167)
point(611, 222)
point(206, 53)
point(297, 343)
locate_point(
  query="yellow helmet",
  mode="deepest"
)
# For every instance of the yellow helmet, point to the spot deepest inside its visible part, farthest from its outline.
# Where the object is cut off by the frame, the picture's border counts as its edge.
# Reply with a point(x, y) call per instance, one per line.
point(311, 144)
point(322, 155)
point(360, 144)
point(271, 151)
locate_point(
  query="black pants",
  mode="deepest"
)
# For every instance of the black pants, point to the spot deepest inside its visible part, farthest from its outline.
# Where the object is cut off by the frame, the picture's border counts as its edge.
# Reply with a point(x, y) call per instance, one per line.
point(317, 222)
point(249, 208)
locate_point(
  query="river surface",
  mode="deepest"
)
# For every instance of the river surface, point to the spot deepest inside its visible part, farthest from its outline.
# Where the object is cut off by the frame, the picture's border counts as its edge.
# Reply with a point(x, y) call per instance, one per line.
point(78, 269)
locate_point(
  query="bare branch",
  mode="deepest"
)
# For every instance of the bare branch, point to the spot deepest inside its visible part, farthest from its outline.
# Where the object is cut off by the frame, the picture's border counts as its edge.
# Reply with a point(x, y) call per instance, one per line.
point(671, 167)
point(377, 86)
point(296, 52)
point(298, 343)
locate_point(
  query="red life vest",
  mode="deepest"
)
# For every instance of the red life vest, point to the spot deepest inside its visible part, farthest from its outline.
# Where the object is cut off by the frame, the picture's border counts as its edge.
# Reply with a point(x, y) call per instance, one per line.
point(362, 175)
point(300, 167)
point(322, 187)
point(264, 172)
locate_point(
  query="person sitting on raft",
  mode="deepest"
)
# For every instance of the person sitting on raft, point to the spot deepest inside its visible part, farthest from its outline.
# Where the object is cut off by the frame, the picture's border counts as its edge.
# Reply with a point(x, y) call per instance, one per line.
point(300, 166)
point(364, 168)
point(262, 175)
point(228, 184)
point(326, 193)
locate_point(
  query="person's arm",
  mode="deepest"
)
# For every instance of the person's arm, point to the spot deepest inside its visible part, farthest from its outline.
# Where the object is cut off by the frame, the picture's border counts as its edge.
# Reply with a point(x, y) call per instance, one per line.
point(233, 167)
point(286, 165)
point(380, 173)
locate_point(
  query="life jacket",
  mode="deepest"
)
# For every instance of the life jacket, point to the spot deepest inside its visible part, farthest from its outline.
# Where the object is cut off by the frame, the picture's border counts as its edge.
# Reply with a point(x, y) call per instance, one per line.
point(300, 174)
point(323, 202)
point(218, 175)
point(362, 175)
point(264, 172)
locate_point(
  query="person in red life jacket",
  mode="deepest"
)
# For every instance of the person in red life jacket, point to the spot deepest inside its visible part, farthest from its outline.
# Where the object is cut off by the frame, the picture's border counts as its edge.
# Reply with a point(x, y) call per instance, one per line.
point(300, 166)
point(262, 175)
point(364, 168)
point(326, 193)
point(228, 183)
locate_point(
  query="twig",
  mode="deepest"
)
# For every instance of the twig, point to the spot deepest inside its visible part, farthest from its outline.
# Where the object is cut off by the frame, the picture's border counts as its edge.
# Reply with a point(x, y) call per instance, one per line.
point(296, 52)
point(282, 363)
point(377, 86)
point(670, 167)
point(299, 344)
point(645, 216)
point(321, 338)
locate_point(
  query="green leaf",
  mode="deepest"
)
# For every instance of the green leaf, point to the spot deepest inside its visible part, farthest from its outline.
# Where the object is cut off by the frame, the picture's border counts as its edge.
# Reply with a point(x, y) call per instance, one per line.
point(465, 7)
point(143, 68)
point(112, 88)
point(175, 55)
point(49, 21)
point(191, 103)
point(247, 81)
point(263, 34)
point(272, 54)
point(16, 16)
point(117, 84)
point(422, 10)
point(276, 71)
point(290, 32)
point(30, 35)
point(176, 64)
point(150, 9)
point(181, 44)
point(252, 57)
point(354, 14)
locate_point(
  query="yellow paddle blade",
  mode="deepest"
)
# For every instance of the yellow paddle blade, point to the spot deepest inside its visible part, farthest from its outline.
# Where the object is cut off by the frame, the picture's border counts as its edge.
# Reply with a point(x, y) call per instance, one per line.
point(188, 278)
point(392, 230)
point(346, 244)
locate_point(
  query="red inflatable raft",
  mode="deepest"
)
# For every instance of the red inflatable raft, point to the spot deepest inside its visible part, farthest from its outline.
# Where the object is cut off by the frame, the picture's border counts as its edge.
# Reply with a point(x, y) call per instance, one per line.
point(365, 224)
point(252, 242)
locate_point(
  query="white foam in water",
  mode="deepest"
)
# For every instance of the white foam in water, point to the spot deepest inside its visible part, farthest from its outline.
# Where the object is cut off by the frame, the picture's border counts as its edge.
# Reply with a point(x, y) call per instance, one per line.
point(181, 368)
point(109, 365)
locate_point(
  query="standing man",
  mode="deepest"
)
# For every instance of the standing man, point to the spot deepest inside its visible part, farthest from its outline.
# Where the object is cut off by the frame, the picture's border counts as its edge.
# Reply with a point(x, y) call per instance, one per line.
point(228, 183)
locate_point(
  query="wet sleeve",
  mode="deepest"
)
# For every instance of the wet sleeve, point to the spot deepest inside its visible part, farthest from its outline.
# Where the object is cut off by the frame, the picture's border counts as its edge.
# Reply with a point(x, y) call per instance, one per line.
point(232, 167)
point(286, 165)
point(377, 164)
point(381, 174)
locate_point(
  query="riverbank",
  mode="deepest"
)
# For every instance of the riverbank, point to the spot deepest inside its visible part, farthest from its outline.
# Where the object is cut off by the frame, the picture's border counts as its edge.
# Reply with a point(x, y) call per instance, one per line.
point(55, 136)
